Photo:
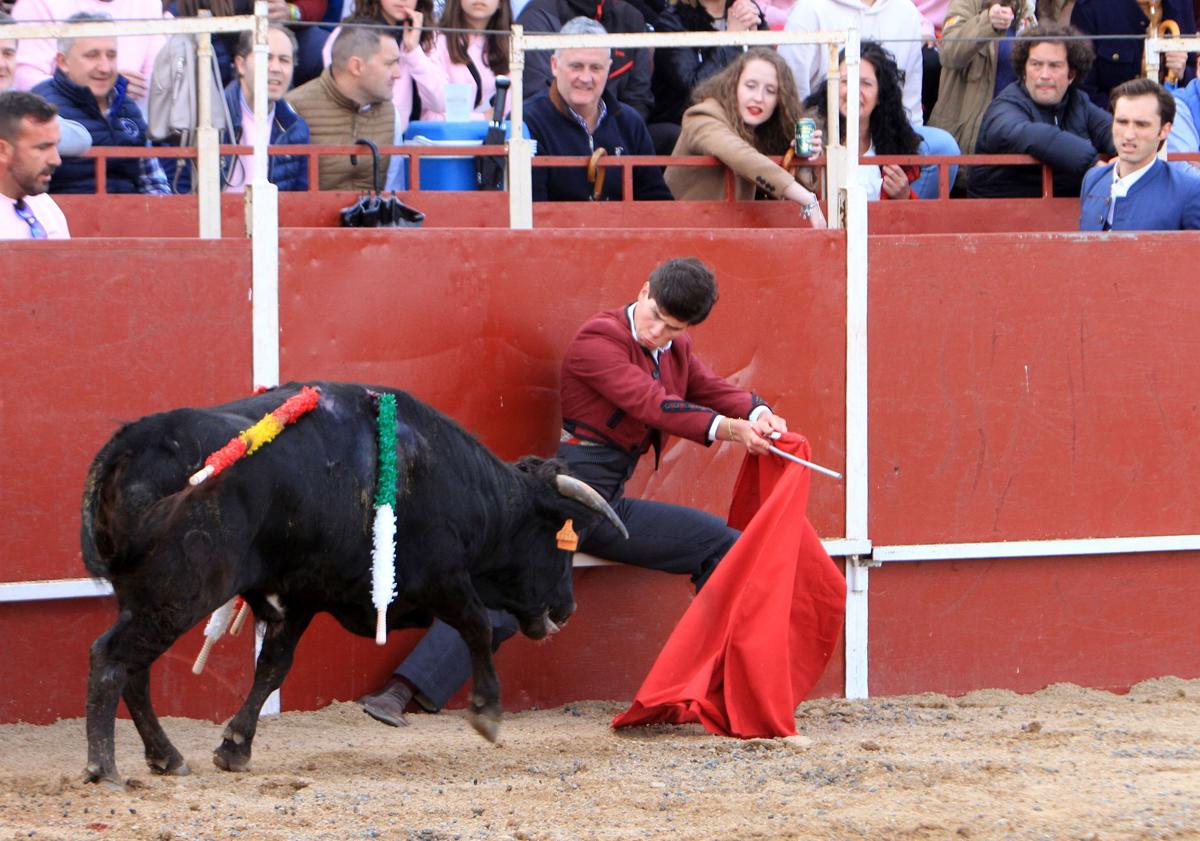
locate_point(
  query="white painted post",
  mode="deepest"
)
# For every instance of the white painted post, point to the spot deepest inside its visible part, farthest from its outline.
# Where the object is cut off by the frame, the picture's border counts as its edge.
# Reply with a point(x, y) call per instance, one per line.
point(208, 157)
point(854, 215)
point(520, 150)
point(262, 199)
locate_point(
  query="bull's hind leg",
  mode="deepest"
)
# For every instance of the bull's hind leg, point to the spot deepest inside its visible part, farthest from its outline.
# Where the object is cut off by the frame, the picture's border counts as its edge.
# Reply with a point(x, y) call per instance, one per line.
point(161, 755)
point(274, 662)
point(118, 655)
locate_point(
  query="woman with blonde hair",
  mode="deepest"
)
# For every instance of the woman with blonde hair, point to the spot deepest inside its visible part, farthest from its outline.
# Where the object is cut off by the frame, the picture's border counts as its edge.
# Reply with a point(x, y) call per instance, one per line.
point(745, 116)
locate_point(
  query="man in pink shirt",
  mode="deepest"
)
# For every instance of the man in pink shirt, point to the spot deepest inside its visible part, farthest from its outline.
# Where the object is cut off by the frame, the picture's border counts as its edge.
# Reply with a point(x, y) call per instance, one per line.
point(35, 56)
point(28, 157)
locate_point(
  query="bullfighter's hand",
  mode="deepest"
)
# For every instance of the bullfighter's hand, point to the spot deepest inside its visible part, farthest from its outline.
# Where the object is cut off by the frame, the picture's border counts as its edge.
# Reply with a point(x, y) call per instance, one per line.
point(768, 424)
point(748, 435)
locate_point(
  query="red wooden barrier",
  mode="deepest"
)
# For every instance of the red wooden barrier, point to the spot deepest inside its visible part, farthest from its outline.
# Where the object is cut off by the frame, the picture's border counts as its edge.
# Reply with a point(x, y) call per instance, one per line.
point(1095, 441)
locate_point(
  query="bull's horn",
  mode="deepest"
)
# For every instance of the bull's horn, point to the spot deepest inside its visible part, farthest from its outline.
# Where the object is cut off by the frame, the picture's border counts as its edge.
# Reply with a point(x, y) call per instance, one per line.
point(573, 488)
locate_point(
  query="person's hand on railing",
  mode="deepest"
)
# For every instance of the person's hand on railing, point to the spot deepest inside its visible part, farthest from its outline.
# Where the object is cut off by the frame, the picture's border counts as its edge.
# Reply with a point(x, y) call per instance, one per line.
point(1000, 16)
point(277, 10)
point(138, 84)
point(412, 20)
point(810, 207)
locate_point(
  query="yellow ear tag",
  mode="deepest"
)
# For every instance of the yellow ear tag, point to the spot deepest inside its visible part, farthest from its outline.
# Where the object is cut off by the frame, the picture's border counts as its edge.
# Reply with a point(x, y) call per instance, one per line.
point(567, 538)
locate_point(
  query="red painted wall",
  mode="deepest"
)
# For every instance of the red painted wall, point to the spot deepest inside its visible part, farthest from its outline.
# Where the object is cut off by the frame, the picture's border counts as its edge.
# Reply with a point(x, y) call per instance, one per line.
point(1104, 621)
point(1096, 440)
point(1045, 387)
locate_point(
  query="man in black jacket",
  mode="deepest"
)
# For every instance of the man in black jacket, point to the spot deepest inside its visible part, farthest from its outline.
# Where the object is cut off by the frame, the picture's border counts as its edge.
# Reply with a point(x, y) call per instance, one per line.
point(629, 74)
point(1044, 114)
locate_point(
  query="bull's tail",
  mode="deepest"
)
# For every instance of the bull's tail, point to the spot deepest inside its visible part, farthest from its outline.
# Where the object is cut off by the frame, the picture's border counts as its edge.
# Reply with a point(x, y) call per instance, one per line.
point(98, 542)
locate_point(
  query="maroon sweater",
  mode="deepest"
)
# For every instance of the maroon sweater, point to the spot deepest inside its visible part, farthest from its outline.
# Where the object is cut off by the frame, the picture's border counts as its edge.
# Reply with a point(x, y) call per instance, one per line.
point(613, 392)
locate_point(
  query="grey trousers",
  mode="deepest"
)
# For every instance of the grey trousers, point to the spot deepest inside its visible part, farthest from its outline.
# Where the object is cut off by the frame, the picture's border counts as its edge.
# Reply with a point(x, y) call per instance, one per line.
point(671, 538)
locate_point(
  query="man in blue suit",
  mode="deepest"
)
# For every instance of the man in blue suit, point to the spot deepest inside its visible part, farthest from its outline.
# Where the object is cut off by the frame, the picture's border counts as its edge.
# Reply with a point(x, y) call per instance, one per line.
point(1137, 191)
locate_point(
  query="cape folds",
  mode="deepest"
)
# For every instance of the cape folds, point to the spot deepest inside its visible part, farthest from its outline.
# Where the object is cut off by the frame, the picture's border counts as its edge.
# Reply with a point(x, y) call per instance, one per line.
point(758, 636)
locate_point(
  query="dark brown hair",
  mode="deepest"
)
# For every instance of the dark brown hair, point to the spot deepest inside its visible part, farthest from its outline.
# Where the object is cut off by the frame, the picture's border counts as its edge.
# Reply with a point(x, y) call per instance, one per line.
point(374, 9)
point(19, 105)
point(496, 53)
point(1145, 87)
point(1080, 54)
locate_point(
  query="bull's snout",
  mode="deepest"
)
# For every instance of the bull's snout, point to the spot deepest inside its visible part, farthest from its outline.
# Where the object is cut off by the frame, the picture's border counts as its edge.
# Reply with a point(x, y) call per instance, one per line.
point(550, 622)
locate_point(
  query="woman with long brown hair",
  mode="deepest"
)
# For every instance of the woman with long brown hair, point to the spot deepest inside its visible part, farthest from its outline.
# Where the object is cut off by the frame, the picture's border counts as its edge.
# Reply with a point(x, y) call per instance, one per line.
point(745, 115)
point(472, 50)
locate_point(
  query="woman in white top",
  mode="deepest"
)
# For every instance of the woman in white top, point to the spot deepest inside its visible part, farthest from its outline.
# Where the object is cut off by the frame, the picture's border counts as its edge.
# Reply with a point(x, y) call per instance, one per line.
point(470, 51)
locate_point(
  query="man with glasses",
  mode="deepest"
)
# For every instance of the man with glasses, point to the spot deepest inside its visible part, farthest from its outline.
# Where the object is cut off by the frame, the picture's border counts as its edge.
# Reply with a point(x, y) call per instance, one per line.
point(29, 137)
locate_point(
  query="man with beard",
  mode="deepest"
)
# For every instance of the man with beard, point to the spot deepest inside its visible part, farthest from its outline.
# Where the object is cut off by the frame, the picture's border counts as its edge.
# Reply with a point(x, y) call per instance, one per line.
point(28, 157)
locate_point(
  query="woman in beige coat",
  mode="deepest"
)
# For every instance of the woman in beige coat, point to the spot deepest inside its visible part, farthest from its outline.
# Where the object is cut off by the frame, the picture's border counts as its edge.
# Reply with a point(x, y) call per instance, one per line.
point(742, 115)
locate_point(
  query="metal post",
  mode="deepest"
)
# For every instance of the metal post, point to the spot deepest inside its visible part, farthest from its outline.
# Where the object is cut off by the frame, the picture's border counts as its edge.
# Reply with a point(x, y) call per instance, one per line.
point(520, 150)
point(208, 158)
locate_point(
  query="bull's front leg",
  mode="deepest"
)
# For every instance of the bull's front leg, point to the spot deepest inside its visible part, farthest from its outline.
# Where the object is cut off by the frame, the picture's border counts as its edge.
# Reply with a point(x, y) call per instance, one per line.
point(470, 619)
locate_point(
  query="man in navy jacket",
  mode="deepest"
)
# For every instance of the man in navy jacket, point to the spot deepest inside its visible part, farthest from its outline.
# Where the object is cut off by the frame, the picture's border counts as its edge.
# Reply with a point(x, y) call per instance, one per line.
point(287, 172)
point(1044, 114)
point(630, 70)
point(1138, 192)
point(575, 116)
point(87, 88)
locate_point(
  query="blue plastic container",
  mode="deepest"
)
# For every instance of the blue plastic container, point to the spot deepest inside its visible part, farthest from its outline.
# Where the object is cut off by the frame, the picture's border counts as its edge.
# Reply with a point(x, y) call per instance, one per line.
point(450, 173)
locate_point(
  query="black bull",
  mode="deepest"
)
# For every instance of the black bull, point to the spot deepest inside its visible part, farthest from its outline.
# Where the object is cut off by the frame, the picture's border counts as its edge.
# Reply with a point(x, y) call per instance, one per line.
point(290, 529)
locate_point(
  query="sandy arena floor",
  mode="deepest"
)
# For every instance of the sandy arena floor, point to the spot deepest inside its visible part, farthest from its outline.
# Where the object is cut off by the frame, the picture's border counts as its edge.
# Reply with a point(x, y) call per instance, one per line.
point(1064, 763)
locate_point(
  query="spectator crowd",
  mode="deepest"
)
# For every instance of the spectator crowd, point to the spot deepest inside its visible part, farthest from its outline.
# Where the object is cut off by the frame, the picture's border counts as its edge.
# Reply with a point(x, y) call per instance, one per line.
point(937, 77)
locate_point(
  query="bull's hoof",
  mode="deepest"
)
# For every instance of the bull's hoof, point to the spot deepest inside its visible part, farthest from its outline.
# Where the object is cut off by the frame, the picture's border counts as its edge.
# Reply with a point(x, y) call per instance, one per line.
point(109, 779)
point(174, 766)
point(485, 725)
point(228, 758)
